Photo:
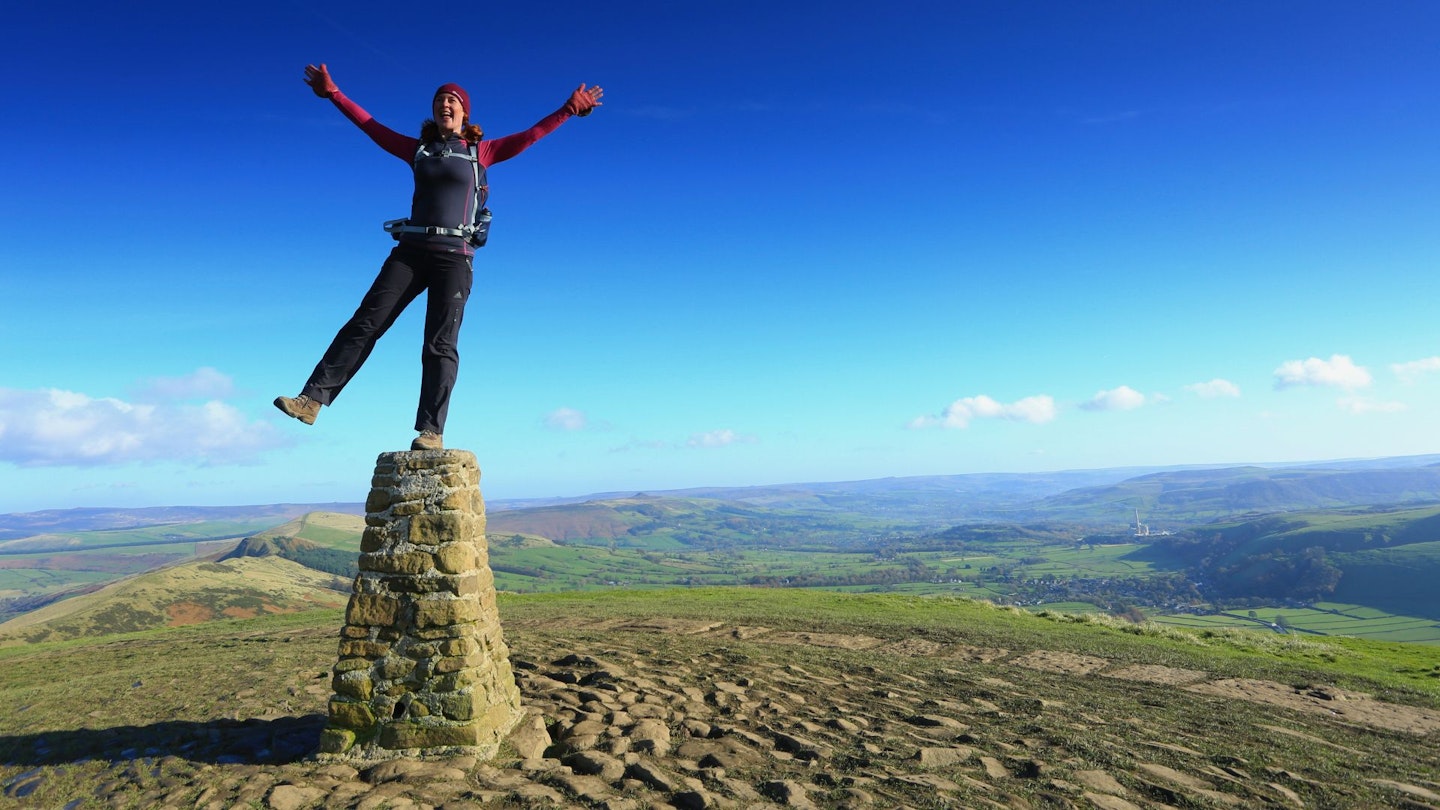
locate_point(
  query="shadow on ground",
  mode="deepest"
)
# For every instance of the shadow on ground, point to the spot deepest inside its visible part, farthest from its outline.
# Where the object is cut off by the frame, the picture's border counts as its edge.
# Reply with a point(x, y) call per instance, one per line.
point(255, 742)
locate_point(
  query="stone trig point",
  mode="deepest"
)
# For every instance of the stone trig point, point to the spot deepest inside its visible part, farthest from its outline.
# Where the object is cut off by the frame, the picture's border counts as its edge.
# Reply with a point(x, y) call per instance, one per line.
point(423, 669)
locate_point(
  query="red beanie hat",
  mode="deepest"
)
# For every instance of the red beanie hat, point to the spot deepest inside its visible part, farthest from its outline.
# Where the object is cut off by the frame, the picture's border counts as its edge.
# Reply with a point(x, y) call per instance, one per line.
point(457, 91)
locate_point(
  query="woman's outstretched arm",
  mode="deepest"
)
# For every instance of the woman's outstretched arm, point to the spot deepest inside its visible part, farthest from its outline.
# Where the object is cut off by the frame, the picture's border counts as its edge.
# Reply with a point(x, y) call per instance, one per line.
point(401, 146)
point(582, 102)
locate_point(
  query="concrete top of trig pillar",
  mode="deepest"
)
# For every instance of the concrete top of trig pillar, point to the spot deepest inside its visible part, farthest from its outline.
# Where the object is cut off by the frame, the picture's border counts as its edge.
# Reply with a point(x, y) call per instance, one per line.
point(425, 459)
point(413, 481)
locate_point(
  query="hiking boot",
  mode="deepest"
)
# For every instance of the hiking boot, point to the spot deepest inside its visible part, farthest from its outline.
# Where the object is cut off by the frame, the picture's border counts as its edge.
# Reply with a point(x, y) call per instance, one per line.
point(302, 407)
point(428, 440)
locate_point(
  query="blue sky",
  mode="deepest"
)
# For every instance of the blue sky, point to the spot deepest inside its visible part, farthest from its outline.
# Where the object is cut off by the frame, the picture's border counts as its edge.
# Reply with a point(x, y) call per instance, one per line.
point(800, 242)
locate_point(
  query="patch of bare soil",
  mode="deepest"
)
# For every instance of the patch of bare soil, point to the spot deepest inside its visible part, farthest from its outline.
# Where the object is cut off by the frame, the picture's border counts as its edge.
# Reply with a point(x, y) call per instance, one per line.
point(913, 646)
point(1149, 673)
point(837, 641)
point(1327, 701)
point(1414, 791)
point(741, 632)
point(1062, 662)
point(979, 655)
point(686, 627)
point(180, 614)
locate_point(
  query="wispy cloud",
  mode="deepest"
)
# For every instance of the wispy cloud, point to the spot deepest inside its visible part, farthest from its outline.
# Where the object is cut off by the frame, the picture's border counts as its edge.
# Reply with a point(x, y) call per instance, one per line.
point(1337, 372)
point(1123, 398)
point(1364, 405)
point(719, 438)
point(1415, 369)
point(960, 413)
point(50, 427)
point(566, 419)
point(1214, 389)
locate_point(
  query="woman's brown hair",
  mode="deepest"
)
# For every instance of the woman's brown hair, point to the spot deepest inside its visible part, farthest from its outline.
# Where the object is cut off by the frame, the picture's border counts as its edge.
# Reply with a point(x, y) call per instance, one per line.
point(430, 131)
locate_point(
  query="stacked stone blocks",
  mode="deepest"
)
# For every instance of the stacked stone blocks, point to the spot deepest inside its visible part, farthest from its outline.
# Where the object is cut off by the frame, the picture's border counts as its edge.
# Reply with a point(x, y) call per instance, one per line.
point(423, 668)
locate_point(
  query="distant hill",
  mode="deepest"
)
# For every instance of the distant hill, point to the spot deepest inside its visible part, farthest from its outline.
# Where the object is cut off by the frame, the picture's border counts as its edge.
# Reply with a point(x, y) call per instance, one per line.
point(185, 594)
point(973, 496)
point(1195, 496)
point(1388, 558)
point(597, 520)
point(931, 498)
point(662, 522)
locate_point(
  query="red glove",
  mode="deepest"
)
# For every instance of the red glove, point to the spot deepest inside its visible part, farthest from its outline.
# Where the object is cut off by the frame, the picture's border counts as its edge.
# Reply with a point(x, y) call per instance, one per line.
point(319, 80)
point(583, 101)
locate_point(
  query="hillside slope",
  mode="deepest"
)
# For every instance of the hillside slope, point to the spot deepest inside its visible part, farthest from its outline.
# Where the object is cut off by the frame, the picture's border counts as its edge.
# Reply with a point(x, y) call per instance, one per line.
point(1386, 558)
point(748, 699)
point(337, 530)
point(646, 521)
point(185, 594)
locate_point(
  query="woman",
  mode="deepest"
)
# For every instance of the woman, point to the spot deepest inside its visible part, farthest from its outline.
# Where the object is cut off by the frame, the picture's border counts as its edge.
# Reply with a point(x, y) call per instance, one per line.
point(435, 249)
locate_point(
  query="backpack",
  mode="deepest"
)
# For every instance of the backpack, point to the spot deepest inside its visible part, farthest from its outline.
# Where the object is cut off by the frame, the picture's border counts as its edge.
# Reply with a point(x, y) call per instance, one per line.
point(477, 232)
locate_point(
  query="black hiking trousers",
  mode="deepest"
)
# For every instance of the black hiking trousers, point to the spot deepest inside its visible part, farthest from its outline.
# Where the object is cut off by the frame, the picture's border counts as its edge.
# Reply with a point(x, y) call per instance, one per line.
point(407, 272)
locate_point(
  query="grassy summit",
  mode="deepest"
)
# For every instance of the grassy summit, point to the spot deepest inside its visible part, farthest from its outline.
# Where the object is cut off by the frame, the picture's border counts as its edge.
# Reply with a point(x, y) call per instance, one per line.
point(725, 697)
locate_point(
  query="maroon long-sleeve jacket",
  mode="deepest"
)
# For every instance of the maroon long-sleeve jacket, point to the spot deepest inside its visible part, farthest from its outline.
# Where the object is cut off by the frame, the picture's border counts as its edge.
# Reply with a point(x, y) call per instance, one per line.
point(445, 188)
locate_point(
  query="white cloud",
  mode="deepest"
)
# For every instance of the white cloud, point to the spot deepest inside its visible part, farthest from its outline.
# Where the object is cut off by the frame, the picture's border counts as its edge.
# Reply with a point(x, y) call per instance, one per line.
point(719, 438)
point(1337, 372)
point(1036, 410)
point(1415, 369)
point(50, 427)
point(202, 383)
point(567, 419)
point(958, 414)
point(1361, 405)
point(1214, 389)
point(1123, 398)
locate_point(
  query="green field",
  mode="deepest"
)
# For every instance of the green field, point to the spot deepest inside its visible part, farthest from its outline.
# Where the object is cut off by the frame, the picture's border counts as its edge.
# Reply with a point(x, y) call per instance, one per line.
point(16, 581)
point(556, 568)
point(1321, 619)
point(327, 530)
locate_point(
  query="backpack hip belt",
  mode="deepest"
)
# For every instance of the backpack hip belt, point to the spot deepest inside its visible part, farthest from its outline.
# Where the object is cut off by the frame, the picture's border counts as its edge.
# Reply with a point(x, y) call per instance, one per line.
point(395, 226)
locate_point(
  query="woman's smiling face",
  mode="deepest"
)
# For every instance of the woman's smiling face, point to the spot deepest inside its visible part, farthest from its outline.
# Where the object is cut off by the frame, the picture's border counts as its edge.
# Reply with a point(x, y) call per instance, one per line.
point(449, 113)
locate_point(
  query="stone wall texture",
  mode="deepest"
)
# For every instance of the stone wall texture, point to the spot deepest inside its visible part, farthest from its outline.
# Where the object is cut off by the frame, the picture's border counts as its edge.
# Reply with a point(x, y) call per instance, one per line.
point(423, 668)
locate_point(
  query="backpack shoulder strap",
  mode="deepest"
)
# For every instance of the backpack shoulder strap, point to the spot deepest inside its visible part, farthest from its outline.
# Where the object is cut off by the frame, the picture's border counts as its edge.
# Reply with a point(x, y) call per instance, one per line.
point(482, 187)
